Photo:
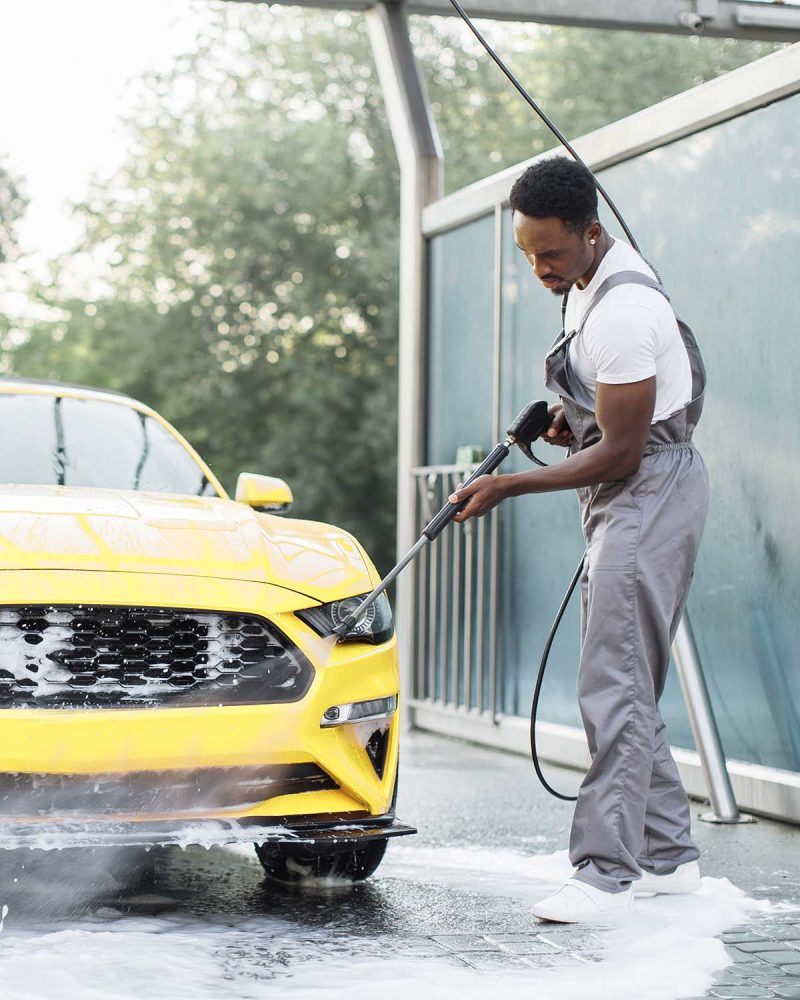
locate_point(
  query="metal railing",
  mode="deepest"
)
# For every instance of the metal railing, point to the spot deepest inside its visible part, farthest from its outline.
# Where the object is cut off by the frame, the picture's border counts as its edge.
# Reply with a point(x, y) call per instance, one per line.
point(455, 602)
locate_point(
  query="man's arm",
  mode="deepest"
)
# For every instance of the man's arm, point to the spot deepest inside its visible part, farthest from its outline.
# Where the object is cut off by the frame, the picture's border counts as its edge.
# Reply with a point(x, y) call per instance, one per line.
point(623, 413)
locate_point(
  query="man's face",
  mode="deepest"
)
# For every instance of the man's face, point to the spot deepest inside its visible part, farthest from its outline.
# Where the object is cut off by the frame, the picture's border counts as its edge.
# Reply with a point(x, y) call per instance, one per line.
point(558, 255)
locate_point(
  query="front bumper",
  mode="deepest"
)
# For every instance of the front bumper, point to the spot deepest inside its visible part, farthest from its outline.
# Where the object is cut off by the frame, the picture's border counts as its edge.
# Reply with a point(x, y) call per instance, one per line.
point(124, 744)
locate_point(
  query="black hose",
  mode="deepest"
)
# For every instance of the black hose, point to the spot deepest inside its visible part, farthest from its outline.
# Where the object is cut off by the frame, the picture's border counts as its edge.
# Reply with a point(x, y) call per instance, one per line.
point(540, 678)
point(556, 132)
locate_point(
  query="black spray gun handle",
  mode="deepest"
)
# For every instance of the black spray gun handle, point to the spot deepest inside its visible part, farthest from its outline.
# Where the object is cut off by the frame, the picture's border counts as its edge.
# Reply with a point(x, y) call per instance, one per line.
point(527, 426)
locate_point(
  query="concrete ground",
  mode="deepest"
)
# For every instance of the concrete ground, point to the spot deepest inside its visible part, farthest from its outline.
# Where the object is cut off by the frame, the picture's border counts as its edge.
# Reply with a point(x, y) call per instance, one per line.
point(446, 915)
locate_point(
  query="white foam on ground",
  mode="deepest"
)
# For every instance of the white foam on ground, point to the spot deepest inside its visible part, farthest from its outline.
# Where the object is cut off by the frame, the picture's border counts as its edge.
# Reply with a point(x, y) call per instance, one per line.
point(666, 949)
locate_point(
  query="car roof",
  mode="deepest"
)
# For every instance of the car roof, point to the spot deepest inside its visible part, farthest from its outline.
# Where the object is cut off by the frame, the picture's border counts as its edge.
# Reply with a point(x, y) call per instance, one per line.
point(48, 387)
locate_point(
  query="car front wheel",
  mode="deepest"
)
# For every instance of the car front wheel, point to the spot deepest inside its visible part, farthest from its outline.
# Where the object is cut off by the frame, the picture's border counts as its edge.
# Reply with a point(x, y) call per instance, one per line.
point(298, 867)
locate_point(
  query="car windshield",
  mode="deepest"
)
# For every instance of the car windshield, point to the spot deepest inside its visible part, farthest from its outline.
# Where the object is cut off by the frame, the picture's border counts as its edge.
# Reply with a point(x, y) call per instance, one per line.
point(64, 441)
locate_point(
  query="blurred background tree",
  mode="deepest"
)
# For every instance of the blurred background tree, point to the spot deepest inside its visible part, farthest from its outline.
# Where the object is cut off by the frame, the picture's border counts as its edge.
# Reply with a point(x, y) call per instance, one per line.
point(240, 271)
point(13, 202)
point(12, 208)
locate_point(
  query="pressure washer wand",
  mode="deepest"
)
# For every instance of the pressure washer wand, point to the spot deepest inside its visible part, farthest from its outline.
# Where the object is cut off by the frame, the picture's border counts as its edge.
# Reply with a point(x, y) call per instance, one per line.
point(524, 430)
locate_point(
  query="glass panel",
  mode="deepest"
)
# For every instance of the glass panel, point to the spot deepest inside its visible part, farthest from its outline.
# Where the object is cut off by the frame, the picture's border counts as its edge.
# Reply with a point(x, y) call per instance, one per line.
point(461, 341)
point(729, 258)
point(60, 440)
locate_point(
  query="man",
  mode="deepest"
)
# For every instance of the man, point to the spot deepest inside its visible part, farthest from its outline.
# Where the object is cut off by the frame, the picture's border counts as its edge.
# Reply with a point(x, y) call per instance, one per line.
point(631, 383)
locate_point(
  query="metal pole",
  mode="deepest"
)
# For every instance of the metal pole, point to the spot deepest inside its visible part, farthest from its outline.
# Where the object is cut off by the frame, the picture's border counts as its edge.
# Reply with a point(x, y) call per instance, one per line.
point(469, 559)
point(704, 728)
point(420, 156)
point(456, 622)
point(494, 589)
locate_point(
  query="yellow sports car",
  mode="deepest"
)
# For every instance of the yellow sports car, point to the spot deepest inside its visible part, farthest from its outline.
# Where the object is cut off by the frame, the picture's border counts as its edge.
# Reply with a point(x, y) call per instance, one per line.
point(168, 672)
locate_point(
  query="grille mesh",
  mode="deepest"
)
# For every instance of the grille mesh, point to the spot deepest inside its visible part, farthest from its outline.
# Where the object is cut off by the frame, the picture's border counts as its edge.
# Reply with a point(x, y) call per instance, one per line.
point(90, 656)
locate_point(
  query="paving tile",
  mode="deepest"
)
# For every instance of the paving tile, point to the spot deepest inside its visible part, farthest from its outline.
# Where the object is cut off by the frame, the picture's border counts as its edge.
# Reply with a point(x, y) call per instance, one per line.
point(492, 960)
point(556, 961)
point(759, 946)
point(740, 992)
point(748, 969)
point(464, 942)
point(509, 938)
point(418, 947)
point(562, 937)
point(793, 969)
point(772, 975)
point(456, 961)
point(531, 948)
point(742, 957)
point(735, 937)
point(524, 944)
point(782, 957)
point(787, 991)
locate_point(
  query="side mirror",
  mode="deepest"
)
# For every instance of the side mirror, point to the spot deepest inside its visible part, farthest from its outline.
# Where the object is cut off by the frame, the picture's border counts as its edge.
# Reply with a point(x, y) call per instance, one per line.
point(263, 493)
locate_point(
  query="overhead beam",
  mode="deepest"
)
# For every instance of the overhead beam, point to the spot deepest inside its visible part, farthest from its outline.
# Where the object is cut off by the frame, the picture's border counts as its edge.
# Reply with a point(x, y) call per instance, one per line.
point(776, 22)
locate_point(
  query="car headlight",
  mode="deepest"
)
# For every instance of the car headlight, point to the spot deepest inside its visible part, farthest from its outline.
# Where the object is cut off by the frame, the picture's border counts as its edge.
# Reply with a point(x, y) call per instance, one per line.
point(374, 626)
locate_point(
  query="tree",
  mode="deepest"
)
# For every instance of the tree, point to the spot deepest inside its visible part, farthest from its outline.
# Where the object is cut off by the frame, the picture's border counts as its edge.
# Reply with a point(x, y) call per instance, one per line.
point(583, 78)
point(12, 207)
point(242, 267)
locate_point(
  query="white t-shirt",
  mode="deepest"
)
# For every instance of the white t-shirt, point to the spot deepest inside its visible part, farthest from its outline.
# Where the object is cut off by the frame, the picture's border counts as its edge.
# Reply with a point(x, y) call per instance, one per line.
point(631, 335)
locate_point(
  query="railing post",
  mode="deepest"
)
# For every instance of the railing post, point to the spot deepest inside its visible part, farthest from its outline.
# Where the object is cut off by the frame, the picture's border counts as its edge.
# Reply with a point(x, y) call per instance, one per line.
point(704, 728)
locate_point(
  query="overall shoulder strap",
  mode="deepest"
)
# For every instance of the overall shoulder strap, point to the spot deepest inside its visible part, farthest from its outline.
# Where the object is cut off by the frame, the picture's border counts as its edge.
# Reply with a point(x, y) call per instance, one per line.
point(564, 309)
point(622, 278)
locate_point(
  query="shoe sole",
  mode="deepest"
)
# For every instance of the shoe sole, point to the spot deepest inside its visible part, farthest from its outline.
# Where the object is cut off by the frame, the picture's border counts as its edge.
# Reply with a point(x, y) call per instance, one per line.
point(594, 918)
point(667, 892)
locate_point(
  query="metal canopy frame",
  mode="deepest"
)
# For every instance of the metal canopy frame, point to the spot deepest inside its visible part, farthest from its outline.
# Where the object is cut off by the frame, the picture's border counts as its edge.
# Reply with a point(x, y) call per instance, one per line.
point(746, 19)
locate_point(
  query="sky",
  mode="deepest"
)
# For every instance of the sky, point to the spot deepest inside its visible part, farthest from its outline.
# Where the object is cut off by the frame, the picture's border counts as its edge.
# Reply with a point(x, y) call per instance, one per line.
point(65, 67)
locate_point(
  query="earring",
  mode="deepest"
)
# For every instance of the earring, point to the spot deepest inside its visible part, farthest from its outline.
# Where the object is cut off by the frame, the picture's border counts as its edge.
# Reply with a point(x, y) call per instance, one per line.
point(592, 242)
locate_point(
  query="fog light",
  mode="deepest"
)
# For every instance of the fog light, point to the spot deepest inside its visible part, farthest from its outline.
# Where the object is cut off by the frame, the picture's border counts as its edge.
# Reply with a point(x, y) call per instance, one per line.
point(359, 711)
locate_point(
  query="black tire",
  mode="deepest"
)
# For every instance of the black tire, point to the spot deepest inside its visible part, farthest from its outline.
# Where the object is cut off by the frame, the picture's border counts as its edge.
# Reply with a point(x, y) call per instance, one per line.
point(301, 868)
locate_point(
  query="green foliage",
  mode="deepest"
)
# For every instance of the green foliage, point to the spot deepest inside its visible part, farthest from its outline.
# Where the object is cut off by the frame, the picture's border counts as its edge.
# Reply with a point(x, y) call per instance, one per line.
point(240, 272)
point(582, 78)
point(12, 207)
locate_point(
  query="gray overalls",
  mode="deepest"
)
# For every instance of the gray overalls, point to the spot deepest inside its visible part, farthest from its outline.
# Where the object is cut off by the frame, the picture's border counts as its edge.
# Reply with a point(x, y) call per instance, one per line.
point(642, 535)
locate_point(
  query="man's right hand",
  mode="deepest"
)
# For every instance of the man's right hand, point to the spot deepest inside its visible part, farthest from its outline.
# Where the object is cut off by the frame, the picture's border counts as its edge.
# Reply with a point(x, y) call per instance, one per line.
point(558, 432)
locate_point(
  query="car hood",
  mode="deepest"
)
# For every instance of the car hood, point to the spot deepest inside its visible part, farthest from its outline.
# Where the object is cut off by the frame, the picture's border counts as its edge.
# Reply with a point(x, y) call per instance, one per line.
point(67, 528)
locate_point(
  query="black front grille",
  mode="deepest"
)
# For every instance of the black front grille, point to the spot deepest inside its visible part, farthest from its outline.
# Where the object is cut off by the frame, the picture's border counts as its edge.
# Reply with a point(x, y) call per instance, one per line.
point(96, 657)
point(153, 792)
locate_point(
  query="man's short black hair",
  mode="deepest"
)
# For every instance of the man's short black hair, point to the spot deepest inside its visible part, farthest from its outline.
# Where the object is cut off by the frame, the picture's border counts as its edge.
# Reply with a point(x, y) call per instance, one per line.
point(557, 188)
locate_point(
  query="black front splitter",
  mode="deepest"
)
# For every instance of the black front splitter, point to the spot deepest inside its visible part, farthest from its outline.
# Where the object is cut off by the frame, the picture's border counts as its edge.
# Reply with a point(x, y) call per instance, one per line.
point(329, 835)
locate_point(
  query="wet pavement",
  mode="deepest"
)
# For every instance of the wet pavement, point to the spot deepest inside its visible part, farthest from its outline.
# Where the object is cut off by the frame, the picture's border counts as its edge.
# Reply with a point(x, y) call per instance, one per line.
point(445, 915)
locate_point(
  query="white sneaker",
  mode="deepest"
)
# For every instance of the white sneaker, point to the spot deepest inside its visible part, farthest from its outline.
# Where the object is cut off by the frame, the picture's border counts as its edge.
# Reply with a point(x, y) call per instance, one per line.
point(577, 901)
point(685, 878)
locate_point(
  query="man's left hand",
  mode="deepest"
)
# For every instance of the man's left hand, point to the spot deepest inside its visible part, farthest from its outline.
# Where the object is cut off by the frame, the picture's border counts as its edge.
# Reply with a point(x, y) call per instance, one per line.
point(486, 492)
